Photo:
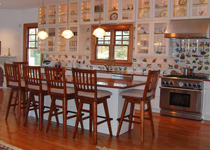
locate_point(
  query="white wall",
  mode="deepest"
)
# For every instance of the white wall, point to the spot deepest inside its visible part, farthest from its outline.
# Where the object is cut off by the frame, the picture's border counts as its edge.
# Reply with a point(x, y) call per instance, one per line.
point(11, 29)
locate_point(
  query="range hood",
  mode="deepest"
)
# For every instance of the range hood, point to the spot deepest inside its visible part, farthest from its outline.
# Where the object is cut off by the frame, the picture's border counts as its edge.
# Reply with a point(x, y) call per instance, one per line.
point(188, 29)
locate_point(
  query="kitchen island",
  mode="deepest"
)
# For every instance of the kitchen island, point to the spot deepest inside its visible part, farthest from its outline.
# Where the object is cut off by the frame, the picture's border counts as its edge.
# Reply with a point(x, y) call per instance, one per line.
point(115, 103)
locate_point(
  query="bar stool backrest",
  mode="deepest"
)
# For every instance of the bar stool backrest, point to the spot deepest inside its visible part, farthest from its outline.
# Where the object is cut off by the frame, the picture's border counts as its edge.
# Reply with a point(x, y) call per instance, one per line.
point(32, 76)
point(55, 79)
point(12, 75)
point(20, 65)
point(151, 84)
point(85, 81)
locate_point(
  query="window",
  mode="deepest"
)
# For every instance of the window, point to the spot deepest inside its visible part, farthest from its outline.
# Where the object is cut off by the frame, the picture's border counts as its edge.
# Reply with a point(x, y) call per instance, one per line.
point(115, 48)
point(30, 51)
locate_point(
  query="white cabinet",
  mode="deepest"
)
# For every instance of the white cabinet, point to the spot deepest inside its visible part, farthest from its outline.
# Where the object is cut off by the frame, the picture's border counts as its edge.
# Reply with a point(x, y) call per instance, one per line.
point(206, 101)
point(97, 9)
point(55, 43)
point(150, 38)
point(143, 10)
point(190, 9)
point(85, 11)
point(74, 12)
point(161, 9)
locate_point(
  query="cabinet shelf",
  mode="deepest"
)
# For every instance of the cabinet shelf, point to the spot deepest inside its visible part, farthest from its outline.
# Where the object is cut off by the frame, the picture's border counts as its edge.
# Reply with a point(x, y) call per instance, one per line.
point(200, 4)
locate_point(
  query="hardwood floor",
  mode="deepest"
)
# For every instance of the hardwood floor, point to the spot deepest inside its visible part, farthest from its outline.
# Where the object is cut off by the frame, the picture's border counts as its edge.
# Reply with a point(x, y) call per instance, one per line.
point(170, 133)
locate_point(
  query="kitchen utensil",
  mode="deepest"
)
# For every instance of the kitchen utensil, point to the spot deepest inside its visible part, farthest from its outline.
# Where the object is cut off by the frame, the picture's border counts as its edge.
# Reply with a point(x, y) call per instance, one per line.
point(186, 71)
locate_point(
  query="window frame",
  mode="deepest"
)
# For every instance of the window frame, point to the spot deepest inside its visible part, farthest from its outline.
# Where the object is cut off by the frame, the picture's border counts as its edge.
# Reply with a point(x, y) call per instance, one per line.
point(111, 61)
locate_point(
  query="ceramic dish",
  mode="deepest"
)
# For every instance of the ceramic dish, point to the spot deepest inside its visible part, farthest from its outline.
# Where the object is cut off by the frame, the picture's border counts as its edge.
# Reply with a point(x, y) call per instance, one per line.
point(163, 13)
point(181, 12)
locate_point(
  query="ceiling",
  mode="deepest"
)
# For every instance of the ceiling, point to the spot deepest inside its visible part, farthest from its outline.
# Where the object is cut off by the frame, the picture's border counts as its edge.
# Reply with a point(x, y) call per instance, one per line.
point(25, 4)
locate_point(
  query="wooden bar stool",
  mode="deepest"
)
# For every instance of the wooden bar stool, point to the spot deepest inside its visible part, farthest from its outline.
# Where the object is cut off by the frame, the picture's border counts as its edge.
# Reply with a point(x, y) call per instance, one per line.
point(13, 80)
point(20, 65)
point(142, 97)
point(33, 84)
point(85, 86)
point(56, 83)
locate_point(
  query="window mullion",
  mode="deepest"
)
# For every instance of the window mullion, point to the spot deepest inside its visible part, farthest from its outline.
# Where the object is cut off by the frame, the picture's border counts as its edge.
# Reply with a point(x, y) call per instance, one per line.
point(111, 51)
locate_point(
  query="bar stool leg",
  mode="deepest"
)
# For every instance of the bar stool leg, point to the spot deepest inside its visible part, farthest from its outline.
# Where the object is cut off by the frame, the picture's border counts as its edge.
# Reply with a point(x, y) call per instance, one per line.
point(19, 106)
point(9, 103)
point(52, 107)
point(64, 116)
point(142, 120)
point(107, 117)
point(77, 105)
point(78, 118)
point(40, 110)
point(91, 118)
point(131, 116)
point(27, 109)
point(151, 118)
point(95, 122)
point(122, 116)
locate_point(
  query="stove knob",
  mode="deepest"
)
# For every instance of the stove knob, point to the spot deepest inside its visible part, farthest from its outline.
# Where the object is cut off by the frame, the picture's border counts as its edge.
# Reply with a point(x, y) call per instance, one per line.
point(164, 82)
point(199, 85)
point(194, 85)
point(167, 83)
point(190, 84)
point(172, 83)
point(186, 84)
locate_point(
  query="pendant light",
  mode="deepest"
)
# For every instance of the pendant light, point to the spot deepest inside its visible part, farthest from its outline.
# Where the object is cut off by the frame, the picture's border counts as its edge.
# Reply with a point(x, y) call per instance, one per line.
point(67, 34)
point(42, 34)
point(99, 32)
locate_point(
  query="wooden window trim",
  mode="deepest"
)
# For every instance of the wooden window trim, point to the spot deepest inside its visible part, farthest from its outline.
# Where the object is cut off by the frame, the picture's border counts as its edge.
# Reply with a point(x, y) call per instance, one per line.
point(128, 62)
point(25, 30)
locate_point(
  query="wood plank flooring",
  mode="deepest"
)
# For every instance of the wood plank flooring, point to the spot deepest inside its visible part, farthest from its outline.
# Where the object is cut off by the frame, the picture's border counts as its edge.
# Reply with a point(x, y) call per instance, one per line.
point(170, 134)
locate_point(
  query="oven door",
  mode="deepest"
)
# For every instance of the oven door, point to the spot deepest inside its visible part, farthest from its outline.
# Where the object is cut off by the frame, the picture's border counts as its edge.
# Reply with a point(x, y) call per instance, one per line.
point(181, 99)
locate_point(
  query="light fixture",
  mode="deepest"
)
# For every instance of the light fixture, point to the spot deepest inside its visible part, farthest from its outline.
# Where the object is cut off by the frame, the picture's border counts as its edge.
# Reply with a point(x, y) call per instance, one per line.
point(42, 34)
point(67, 34)
point(99, 32)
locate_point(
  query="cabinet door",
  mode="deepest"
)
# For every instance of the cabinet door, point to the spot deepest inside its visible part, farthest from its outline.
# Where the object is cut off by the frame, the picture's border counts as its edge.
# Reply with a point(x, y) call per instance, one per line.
point(112, 11)
point(42, 15)
point(143, 38)
point(143, 10)
point(160, 44)
point(42, 43)
point(85, 11)
point(52, 14)
point(62, 13)
point(73, 13)
point(61, 41)
point(73, 42)
point(51, 39)
point(127, 8)
point(161, 9)
point(180, 9)
point(97, 9)
point(199, 9)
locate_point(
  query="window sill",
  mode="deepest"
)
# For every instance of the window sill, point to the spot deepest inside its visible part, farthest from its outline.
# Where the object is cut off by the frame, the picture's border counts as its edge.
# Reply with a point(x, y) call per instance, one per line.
point(113, 63)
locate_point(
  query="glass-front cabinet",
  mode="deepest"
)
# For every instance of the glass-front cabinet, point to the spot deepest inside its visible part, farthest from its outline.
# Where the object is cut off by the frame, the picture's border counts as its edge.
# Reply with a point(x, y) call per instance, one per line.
point(42, 15)
point(73, 41)
point(85, 11)
point(52, 14)
point(143, 10)
point(180, 9)
point(97, 9)
point(73, 12)
point(42, 43)
point(161, 9)
point(160, 44)
point(61, 40)
point(62, 16)
point(112, 11)
point(199, 9)
point(127, 8)
point(51, 39)
point(143, 38)
point(150, 38)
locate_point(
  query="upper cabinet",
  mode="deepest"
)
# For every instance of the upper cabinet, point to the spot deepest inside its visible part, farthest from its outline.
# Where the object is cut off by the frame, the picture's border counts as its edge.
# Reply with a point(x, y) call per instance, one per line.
point(97, 9)
point(42, 15)
point(186, 9)
point(73, 12)
point(62, 13)
point(144, 11)
point(150, 38)
point(85, 11)
point(112, 11)
point(52, 14)
point(127, 10)
point(161, 9)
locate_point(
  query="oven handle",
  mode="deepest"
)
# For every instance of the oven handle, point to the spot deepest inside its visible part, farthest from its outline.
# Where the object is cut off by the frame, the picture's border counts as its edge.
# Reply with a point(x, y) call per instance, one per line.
point(200, 91)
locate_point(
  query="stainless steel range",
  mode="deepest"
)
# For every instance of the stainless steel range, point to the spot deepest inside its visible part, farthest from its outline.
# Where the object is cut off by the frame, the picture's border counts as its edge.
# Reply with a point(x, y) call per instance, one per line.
point(181, 96)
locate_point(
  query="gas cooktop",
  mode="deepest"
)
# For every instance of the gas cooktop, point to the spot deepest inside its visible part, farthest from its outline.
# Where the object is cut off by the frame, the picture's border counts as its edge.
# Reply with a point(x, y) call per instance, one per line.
point(189, 76)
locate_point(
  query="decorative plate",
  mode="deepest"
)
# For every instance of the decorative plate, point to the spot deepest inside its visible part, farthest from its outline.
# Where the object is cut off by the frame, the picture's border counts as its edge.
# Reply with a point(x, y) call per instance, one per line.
point(181, 12)
point(114, 16)
point(147, 30)
point(141, 30)
point(182, 2)
point(163, 13)
point(200, 12)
